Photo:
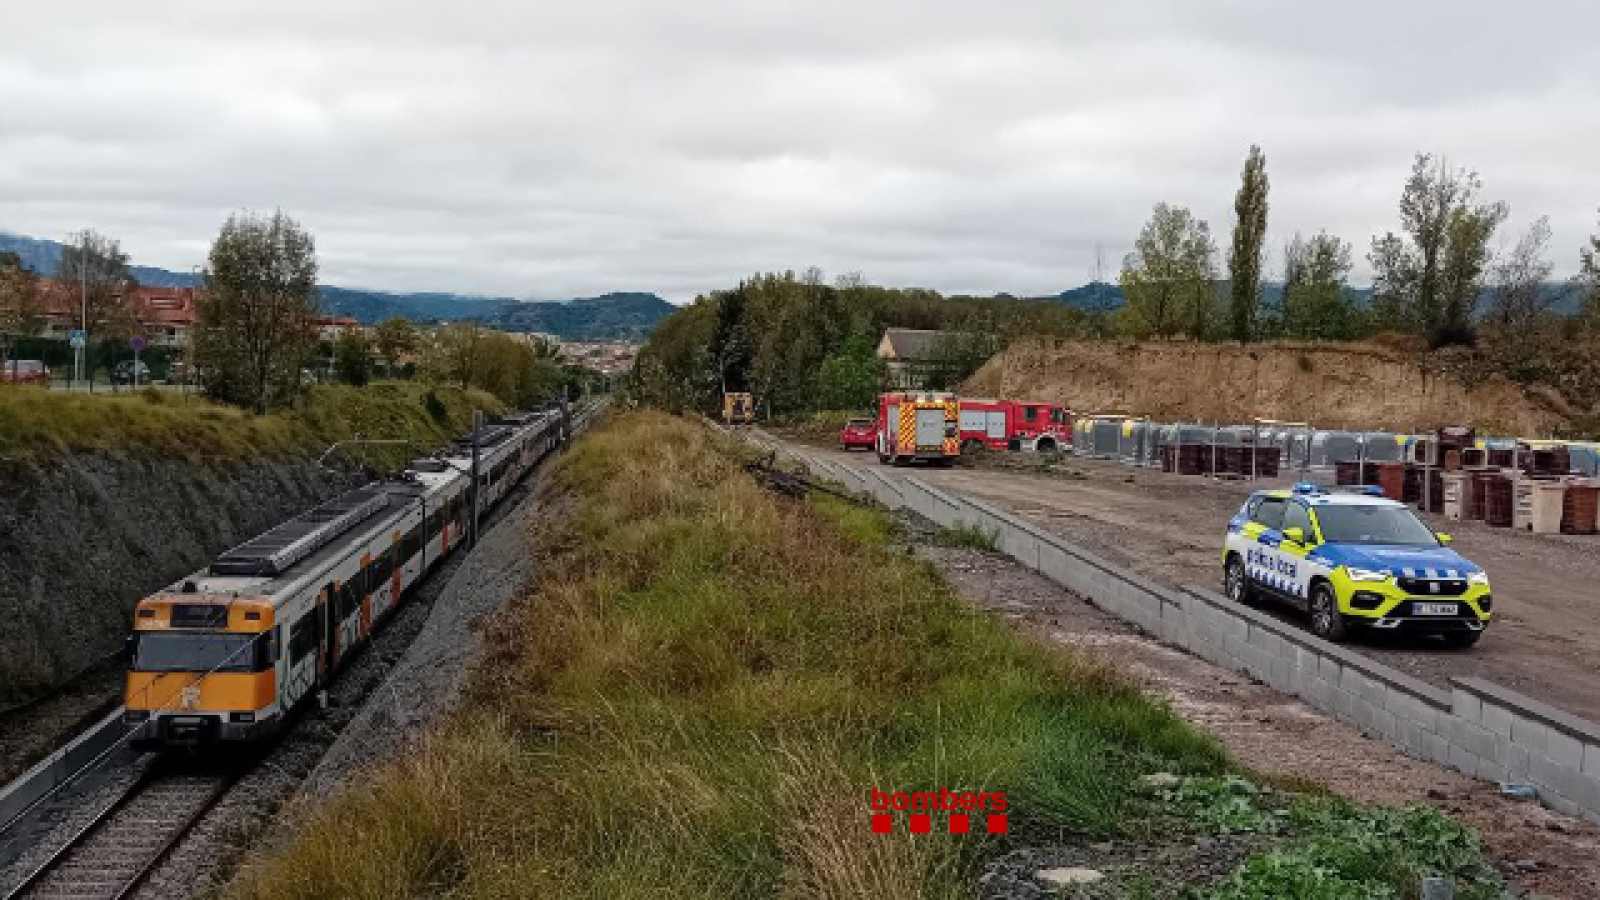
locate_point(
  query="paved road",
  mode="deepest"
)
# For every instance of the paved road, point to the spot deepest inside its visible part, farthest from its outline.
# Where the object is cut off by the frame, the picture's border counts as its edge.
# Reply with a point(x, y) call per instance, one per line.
point(1545, 640)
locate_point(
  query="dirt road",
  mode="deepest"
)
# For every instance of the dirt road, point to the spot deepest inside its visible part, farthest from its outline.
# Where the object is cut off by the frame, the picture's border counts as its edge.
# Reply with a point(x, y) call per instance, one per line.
point(1545, 640)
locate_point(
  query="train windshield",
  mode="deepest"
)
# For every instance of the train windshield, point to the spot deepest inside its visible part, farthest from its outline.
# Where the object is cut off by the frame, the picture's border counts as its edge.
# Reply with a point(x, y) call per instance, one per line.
point(169, 651)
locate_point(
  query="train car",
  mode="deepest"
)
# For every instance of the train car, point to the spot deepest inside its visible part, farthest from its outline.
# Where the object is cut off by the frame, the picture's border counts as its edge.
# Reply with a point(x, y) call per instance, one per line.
point(225, 654)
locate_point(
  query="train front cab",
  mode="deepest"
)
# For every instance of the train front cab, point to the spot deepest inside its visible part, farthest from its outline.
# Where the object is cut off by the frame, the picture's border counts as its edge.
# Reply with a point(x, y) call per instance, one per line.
point(201, 670)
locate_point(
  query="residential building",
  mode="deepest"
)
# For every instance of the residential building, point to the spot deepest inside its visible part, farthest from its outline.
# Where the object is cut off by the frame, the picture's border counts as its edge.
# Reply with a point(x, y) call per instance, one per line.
point(164, 315)
point(912, 353)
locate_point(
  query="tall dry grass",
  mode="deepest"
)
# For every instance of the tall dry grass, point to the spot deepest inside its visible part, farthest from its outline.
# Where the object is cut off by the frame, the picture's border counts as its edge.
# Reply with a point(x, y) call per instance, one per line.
point(700, 695)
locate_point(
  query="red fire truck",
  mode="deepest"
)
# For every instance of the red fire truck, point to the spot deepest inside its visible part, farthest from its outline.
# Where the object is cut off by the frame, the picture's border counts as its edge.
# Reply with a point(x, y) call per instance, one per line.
point(917, 425)
point(1014, 425)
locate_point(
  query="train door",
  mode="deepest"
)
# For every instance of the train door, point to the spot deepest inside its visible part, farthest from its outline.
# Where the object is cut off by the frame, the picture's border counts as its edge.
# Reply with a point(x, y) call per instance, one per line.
point(328, 632)
point(302, 661)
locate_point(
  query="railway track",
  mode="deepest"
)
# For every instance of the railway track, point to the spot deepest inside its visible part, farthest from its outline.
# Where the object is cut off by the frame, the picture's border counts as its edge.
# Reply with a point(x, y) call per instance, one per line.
point(110, 857)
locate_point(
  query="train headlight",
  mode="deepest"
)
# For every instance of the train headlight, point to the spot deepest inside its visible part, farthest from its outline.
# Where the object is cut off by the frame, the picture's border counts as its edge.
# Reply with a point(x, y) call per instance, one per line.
point(242, 717)
point(135, 715)
point(1479, 578)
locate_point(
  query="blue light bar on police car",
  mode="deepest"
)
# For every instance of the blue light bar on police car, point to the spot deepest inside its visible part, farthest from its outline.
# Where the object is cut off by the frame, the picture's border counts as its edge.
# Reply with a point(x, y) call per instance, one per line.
point(1305, 487)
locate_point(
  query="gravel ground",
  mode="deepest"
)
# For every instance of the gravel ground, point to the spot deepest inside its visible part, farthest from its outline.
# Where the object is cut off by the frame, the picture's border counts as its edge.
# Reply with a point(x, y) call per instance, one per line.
point(1267, 732)
point(431, 675)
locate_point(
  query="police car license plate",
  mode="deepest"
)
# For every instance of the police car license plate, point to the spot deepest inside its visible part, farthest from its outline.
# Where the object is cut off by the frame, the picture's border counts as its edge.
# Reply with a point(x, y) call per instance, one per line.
point(1434, 609)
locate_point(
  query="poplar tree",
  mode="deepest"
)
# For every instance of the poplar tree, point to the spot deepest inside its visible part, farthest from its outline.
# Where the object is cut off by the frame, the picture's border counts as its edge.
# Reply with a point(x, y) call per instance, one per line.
point(1249, 238)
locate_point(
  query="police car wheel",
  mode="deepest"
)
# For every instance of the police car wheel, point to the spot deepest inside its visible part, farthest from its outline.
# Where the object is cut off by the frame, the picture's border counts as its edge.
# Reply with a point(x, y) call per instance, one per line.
point(1236, 581)
point(1326, 620)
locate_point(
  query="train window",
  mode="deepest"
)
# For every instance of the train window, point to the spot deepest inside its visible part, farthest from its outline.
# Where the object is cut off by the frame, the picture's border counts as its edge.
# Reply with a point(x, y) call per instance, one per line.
point(302, 638)
point(381, 569)
point(435, 523)
point(411, 545)
point(348, 601)
point(199, 615)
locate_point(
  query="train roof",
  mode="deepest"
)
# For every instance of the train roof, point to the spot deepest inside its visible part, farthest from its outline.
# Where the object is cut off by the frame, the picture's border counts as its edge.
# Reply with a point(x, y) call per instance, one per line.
point(307, 544)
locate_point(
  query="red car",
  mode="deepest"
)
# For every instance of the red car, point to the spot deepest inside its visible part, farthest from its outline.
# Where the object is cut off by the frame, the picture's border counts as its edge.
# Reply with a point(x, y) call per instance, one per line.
point(858, 434)
point(24, 371)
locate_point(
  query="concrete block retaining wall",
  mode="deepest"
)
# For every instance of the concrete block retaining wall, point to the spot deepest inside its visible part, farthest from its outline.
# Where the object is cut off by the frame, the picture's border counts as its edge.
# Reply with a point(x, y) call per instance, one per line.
point(1477, 727)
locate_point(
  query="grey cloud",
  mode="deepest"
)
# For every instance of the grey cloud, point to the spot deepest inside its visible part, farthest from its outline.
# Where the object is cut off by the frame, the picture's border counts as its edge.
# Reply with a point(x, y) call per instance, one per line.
point(553, 149)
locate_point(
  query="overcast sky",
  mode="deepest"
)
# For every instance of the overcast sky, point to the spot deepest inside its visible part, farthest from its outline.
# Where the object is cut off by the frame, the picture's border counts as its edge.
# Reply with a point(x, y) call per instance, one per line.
point(552, 149)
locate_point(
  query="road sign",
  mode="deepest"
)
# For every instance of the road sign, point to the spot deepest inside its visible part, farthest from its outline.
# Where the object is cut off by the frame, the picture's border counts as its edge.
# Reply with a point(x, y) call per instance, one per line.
point(78, 339)
point(136, 342)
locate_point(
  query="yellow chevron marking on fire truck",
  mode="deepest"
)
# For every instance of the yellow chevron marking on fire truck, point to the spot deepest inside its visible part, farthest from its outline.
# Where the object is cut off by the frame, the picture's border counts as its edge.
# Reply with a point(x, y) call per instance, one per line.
point(906, 439)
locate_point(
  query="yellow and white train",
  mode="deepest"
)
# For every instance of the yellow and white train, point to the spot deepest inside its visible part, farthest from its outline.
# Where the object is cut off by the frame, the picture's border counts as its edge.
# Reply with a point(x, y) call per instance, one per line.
point(224, 654)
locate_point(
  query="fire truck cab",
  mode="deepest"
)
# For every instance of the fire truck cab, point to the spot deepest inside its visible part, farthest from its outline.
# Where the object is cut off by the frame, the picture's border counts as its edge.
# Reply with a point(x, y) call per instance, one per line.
point(918, 425)
point(1015, 425)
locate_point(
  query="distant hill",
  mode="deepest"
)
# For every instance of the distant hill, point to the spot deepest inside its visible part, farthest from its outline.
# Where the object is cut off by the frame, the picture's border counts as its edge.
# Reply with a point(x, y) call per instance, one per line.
point(375, 306)
point(622, 316)
point(1096, 296)
point(627, 316)
point(44, 257)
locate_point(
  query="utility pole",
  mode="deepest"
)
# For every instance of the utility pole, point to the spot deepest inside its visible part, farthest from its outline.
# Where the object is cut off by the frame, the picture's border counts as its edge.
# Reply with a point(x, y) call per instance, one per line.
point(83, 318)
point(477, 429)
point(566, 418)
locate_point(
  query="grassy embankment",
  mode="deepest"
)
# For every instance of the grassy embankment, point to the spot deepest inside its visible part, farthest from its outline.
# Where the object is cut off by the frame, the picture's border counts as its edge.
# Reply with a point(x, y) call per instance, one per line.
point(37, 426)
point(703, 692)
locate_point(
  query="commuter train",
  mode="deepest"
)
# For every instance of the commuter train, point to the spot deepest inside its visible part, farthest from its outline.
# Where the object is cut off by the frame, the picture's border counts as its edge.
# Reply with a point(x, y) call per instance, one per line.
point(224, 654)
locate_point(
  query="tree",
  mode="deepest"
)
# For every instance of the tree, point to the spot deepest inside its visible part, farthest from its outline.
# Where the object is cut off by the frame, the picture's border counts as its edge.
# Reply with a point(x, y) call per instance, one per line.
point(1427, 280)
point(395, 337)
point(1249, 239)
point(1588, 281)
point(1315, 302)
point(97, 268)
point(20, 304)
point(850, 378)
point(453, 355)
point(256, 316)
point(1519, 318)
point(1168, 278)
point(352, 357)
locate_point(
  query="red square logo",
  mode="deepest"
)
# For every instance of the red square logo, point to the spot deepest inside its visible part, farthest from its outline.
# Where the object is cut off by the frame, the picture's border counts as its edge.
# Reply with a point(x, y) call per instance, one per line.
point(997, 824)
point(960, 823)
point(883, 824)
point(921, 823)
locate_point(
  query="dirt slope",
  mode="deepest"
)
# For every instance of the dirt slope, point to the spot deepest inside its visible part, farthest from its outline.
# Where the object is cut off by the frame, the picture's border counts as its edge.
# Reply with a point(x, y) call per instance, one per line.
point(1364, 386)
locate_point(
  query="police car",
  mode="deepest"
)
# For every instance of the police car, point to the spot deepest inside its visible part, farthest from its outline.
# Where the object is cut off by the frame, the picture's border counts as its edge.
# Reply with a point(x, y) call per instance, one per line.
point(1354, 560)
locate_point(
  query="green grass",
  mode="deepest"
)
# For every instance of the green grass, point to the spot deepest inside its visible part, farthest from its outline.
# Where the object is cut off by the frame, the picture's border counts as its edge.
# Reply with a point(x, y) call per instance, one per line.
point(1327, 848)
point(37, 426)
point(701, 696)
point(972, 537)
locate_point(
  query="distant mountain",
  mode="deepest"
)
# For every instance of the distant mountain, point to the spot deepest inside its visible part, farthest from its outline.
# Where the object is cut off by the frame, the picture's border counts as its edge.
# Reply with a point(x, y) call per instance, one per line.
point(626, 316)
point(375, 306)
point(1096, 296)
point(44, 257)
point(623, 316)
